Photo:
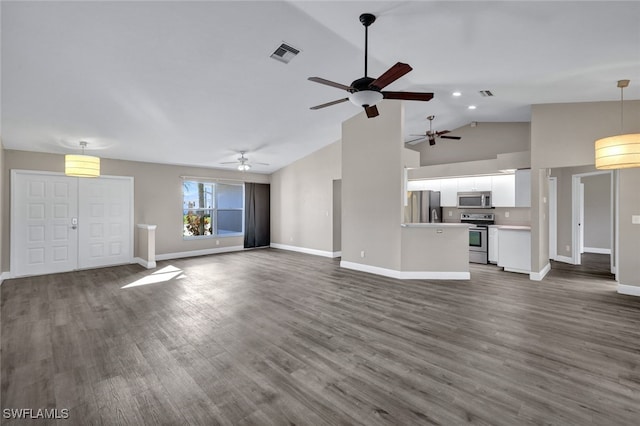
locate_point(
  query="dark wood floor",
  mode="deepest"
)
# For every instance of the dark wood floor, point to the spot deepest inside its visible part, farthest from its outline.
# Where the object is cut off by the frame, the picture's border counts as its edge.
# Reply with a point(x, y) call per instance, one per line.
point(273, 337)
point(591, 264)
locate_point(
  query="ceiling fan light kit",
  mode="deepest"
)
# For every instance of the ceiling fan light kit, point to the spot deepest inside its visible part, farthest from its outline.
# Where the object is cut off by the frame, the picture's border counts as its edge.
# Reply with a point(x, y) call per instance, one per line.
point(621, 151)
point(366, 92)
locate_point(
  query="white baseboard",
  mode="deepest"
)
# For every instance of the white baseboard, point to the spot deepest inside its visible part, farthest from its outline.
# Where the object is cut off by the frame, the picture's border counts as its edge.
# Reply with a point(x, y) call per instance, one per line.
point(4, 276)
point(406, 275)
point(630, 290)
point(538, 276)
point(315, 252)
point(597, 250)
point(564, 259)
point(193, 253)
point(145, 263)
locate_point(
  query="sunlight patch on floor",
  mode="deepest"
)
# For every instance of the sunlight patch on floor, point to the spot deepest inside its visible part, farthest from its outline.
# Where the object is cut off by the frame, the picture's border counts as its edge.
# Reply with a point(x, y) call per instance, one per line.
point(160, 276)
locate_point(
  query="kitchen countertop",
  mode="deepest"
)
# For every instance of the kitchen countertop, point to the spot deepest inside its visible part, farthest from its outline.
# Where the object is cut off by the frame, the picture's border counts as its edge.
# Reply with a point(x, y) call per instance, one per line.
point(512, 227)
point(435, 225)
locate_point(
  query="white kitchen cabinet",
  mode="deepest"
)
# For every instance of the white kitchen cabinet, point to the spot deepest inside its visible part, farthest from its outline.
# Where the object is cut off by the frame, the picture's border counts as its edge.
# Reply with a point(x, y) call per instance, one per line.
point(514, 249)
point(449, 192)
point(474, 183)
point(493, 244)
point(523, 188)
point(424, 185)
point(503, 190)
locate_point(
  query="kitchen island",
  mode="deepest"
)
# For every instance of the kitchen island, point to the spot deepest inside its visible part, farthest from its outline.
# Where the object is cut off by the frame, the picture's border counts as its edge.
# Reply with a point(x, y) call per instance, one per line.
point(435, 251)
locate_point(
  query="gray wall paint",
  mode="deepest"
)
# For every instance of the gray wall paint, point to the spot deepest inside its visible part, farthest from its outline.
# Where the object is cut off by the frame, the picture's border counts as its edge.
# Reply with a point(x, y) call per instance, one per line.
point(337, 215)
point(4, 207)
point(302, 200)
point(563, 135)
point(157, 187)
point(483, 142)
point(597, 211)
point(372, 187)
point(565, 205)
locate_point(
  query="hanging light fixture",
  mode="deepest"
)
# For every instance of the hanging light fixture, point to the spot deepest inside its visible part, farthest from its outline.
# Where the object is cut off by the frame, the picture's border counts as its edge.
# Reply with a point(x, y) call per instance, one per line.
point(82, 165)
point(243, 167)
point(621, 151)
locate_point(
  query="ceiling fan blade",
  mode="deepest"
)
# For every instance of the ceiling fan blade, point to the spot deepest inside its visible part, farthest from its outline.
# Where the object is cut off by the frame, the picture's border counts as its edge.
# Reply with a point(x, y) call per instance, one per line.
point(372, 111)
point(452, 137)
point(424, 135)
point(230, 162)
point(339, 101)
point(443, 132)
point(262, 164)
point(329, 83)
point(408, 96)
point(391, 75)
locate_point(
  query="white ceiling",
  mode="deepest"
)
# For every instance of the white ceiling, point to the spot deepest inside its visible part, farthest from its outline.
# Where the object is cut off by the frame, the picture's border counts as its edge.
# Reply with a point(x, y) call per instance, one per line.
point(192, 82)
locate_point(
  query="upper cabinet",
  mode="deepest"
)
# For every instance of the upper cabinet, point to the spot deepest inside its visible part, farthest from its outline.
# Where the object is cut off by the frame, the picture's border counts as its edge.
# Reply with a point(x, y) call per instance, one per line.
point(503, 190)
point(474, 183)
point(523, 188)
point(508, 190)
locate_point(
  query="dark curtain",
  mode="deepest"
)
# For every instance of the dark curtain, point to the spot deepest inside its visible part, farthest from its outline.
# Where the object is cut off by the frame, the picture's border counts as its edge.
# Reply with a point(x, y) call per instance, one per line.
point(257, 221)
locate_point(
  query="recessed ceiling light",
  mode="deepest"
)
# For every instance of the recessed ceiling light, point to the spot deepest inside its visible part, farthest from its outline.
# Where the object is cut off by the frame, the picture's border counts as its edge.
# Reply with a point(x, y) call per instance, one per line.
point(456, 94)
point(471, 107)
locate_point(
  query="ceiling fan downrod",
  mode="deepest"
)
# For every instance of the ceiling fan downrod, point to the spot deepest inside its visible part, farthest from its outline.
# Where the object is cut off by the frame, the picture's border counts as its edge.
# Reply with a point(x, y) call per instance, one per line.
point(366, 19)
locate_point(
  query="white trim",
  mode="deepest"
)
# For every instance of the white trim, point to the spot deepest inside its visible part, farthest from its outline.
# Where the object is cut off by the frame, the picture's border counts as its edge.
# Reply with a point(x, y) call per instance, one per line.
point(553, 217)
point(564, 259)
point(539, 276)
point(144, 263)
point(5, 276)
point(147, 227)
point(406, 275)
point(193, 253)
point(315, 252)
point(630, 290)
point(597, 250)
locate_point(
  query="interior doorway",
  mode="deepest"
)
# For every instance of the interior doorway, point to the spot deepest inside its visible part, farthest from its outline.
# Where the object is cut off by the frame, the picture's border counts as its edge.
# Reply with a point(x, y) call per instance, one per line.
point(593, 218)
point(61, 223)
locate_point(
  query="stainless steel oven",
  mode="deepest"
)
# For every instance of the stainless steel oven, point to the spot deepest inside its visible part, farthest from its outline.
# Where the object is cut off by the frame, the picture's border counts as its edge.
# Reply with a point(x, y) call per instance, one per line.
point(478, 235)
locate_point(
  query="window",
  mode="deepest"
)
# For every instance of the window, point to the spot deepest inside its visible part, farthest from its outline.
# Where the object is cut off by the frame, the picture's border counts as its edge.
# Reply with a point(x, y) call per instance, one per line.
point(212, 209)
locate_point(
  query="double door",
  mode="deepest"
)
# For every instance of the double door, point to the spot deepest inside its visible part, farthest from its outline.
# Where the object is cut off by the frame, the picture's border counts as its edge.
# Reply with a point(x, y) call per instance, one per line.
point(61, 223)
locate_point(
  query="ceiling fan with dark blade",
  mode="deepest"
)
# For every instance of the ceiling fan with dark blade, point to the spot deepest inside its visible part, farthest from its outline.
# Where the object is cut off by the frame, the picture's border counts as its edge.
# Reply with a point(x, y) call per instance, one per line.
point(243, 162)
point(366, 92)
point(431, 136)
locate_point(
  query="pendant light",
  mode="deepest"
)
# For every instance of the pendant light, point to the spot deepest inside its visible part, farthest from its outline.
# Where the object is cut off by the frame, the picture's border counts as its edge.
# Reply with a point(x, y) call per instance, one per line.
point(82, 165)
point(621, 151)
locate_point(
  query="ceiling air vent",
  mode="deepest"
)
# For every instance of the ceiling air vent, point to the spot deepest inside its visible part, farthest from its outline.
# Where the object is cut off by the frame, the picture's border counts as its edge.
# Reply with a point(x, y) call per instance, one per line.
point(285, 53)
point(486, 93)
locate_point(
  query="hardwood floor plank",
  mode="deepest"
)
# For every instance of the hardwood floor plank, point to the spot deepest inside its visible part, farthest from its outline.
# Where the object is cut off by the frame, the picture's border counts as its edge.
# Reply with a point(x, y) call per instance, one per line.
point(275, 337)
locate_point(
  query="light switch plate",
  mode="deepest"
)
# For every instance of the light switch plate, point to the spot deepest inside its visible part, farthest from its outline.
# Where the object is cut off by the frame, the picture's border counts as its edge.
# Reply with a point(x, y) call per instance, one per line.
point(635, 219)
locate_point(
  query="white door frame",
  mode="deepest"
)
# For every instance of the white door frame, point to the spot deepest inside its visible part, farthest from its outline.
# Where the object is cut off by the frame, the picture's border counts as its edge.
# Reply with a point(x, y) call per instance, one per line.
point(577, 208)
point(553, 217)
point(57, 174)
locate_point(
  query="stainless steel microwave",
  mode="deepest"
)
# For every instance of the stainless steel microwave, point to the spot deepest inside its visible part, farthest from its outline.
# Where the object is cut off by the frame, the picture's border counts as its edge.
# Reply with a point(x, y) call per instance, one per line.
point(474, 200)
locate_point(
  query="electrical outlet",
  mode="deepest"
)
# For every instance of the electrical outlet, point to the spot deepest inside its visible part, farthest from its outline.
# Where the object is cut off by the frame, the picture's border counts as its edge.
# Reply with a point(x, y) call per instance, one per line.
point(567, 248)
point(506, 214)
point(217, 242)
point(362, 254)
point(635, 219)
point(450, 213)
point(290, 238)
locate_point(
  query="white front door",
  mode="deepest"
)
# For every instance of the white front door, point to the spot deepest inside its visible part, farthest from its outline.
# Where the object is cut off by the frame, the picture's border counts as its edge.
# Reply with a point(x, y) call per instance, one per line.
point(105, 231)
point(43, 234)
point(61, 223)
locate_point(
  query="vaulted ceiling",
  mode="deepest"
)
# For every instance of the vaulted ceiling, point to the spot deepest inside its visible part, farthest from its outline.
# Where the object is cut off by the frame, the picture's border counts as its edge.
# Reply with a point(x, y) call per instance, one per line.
point(193, 82)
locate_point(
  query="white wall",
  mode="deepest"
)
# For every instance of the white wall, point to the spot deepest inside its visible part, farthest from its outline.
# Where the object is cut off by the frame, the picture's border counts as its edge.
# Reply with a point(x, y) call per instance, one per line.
point(483, 142)
point(302, 200)
point(372, 187)
point(597, 212)
point(157, 197)
point(563, 135)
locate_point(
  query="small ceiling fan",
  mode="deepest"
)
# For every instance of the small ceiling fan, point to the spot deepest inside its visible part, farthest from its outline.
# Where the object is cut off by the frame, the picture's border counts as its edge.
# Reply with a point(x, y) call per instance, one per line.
point(431, 136)
point(366, 92)
point(243, 162)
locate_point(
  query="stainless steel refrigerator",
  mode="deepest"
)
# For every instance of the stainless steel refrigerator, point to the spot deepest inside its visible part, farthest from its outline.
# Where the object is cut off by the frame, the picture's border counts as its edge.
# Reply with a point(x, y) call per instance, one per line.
point(423, 207)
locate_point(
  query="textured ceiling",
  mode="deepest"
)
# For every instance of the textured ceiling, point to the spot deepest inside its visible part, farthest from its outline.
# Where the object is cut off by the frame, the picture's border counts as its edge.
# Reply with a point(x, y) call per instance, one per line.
point(192, 82)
